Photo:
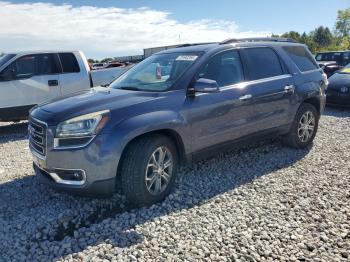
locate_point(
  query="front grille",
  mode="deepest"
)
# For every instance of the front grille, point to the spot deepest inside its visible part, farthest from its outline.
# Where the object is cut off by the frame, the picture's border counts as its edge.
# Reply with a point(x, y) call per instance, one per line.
point(37, 136)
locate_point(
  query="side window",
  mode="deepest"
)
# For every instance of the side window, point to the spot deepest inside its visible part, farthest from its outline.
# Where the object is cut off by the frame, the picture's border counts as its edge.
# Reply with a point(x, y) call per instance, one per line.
point(24, 67)
point(225, 68)
point(31, 65)
point(47, 64)
point(262, 62)
point(319, 57)
point(301, 57)
point(69, 63)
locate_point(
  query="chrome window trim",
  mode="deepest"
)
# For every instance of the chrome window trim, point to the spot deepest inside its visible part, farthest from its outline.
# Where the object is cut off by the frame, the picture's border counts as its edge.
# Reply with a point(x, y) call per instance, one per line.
point(242, 85)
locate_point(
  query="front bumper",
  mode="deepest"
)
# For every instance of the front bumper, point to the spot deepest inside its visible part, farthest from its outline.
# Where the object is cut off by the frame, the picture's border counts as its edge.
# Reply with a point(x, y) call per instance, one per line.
point(94, 189)
point(337, 98)
point(97, 161)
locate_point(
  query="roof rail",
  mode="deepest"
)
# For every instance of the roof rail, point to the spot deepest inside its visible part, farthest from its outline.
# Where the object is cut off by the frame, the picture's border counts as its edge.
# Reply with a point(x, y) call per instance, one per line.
point(257, 39)
point(195, 44)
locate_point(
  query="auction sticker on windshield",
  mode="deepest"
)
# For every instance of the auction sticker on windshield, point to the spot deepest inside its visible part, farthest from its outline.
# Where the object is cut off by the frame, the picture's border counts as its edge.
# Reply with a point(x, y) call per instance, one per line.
point(186, 58)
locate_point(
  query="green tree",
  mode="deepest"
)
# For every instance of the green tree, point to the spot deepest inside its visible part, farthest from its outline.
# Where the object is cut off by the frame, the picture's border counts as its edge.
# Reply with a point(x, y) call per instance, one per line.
point(308, 40)
point(293, 35)
point(342, 24)
point(322, 36)
point(91, 61)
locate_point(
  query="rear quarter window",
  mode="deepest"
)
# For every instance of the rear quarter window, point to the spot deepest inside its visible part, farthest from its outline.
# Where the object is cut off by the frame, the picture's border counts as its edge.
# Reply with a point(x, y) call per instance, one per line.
point(69, 63)
point(301, 57)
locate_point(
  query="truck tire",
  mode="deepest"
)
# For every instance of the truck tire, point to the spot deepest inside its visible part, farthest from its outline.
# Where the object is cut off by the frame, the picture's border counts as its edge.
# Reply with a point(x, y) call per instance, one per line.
point(304, 127)
point(148, 170)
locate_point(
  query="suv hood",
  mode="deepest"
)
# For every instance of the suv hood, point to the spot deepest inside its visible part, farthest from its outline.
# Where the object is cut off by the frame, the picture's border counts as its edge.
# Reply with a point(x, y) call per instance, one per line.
point(97, 99)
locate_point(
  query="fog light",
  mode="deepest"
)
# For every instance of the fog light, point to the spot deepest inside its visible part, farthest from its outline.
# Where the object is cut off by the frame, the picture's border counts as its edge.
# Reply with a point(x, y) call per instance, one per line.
point(73, 175)
point(69, 177)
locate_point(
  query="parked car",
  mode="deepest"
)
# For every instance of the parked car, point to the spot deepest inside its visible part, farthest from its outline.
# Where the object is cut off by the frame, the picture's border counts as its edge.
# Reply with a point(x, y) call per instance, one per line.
point(137, 132)
point(114, 64)
point(97, 66)
point(331, 62)
point(31, 78)
point(338, 92)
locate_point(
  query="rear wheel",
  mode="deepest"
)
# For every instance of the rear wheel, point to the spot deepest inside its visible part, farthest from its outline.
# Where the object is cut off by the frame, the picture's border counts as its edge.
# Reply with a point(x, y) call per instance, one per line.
point(148, 170)
point(304, 127)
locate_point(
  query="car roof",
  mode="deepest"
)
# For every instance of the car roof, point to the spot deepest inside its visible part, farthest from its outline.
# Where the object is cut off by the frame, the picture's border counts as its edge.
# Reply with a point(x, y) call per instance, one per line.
point(218, 46)
point(20, 53)
point(330, 52)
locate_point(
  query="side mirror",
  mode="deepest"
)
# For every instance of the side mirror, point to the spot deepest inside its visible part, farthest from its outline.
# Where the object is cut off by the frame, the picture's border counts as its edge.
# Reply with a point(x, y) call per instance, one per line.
point(203, 85)
point(7, 75)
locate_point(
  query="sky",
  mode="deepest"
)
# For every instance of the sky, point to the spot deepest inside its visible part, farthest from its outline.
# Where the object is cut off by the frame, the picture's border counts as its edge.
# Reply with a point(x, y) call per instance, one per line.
point(107, 28)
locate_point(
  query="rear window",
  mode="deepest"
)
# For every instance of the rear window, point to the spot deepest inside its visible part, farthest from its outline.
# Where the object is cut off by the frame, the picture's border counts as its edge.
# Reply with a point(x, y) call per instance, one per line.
point(301, 57)
point(262, 62)
point(69, 63)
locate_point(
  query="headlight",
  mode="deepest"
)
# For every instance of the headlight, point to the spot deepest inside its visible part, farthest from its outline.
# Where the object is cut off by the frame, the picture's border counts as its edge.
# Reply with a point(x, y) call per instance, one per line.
point(82, 126)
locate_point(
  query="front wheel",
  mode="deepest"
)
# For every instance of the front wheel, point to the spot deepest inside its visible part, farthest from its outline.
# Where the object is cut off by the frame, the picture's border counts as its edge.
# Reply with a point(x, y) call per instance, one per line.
point(304, 127)
point(148, 171)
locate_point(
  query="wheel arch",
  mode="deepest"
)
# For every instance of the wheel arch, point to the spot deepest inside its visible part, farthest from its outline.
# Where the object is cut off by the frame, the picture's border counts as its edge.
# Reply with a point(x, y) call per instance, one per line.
point(315, 101)
point(170, 133)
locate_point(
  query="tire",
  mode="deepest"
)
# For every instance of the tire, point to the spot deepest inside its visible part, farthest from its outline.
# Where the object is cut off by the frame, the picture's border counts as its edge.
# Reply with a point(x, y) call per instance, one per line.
point(295, 137)
point(137, 164)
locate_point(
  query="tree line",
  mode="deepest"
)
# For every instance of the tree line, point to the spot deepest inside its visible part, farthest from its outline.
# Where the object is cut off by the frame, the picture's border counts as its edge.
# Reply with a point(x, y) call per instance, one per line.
point(324, 39)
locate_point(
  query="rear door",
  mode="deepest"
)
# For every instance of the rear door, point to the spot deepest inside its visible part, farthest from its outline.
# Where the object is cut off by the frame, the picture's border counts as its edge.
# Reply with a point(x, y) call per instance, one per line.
point(35, 79)
point(75, 76)
point(269, 91)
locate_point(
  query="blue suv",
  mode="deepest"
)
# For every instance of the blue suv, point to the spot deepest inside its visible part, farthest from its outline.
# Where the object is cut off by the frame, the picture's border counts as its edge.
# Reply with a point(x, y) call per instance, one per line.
point(173, 108)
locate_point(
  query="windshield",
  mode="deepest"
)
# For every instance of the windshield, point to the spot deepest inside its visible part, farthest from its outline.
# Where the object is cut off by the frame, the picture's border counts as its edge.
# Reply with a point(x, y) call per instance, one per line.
point(345, 70)
point(4, 58)
point(156, 73)
point(331, 56)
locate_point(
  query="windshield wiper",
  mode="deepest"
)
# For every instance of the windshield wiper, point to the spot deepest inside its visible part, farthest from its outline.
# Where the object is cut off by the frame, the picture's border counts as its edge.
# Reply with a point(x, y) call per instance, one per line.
point(129, 88)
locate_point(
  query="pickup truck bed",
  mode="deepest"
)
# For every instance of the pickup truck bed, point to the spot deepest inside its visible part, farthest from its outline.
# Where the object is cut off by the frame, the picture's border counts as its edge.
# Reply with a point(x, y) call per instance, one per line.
point(106, 76)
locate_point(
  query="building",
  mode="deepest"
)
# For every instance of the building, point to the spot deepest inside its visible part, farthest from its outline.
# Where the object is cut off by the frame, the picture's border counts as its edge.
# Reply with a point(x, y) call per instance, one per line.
point(150, 51)
point(132, 59)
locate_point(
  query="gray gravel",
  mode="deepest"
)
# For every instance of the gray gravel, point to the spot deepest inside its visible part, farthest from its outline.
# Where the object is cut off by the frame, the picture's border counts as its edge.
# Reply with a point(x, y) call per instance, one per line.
point(258, 203)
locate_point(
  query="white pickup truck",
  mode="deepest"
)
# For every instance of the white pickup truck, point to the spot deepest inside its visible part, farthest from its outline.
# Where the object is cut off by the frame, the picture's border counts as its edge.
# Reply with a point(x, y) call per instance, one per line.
point(31, 78)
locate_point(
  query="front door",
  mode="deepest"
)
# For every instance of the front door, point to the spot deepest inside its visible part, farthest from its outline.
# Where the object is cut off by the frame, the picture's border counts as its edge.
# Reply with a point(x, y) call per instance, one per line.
point(31, 80)
point(216, 118)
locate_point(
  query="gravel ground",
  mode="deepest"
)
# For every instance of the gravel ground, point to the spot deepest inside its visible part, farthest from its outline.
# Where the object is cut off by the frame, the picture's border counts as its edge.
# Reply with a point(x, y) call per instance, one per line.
point(258, 203)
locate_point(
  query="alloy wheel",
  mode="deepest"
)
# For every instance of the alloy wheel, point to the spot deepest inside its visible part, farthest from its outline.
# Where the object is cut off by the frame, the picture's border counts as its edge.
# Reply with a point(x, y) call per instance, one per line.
point(306, 127)
point(159, 170)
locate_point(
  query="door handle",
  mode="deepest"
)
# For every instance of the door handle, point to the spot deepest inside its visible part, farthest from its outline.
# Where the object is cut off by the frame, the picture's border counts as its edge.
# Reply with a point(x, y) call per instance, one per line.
point(245, 97)
point(52, 82)
point(289, 88)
